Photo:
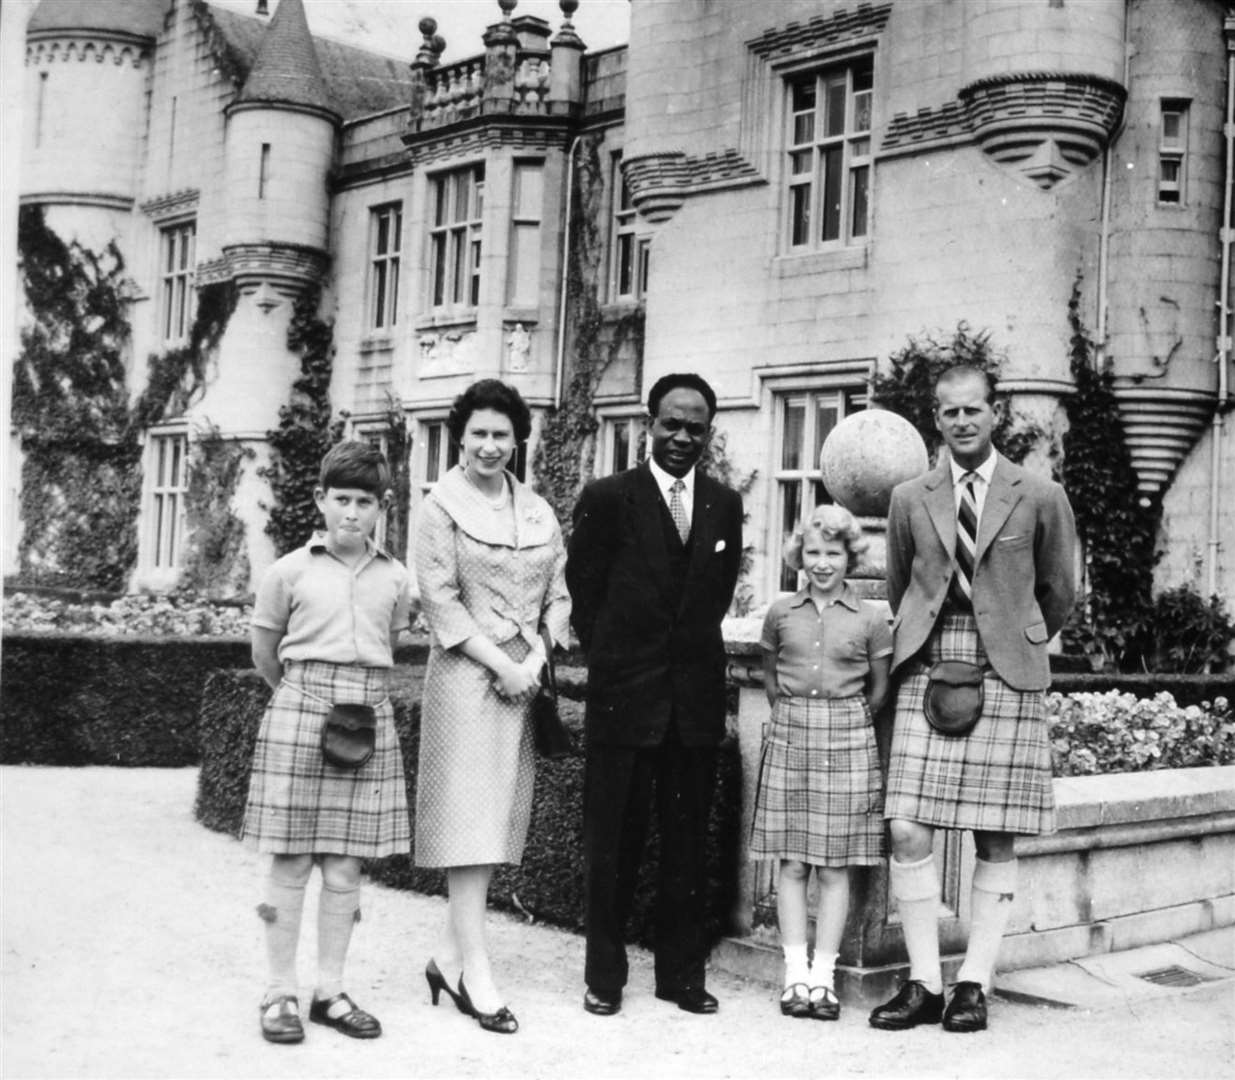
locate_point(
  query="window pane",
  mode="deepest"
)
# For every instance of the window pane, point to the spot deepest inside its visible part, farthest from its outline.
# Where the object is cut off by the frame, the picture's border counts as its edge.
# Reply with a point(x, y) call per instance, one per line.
point(800, 162)
point(396, 238)
point(803, 128)
point(1170, 171)
point(799, 211)
point(625, 263)
point(394, 291)
point(621, 445)
point(439, 201)
point(860, 179)
point(439, 269)
point(383, 233)
point(862, 111)
point(831, 193)
point(1171, 128)
point(433, 452)
point(803, 95)
point(379, 294)
point(825, 420)
point(834, 105)
point(794, 433)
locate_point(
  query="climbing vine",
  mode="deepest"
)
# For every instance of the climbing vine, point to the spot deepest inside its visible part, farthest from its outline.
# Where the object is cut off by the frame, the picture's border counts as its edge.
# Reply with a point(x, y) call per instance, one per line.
point(216, 562)
point(908, 388)
point(80, 436)
point(717, 464)
point(398, 445)
point(567, 444)
point(1117, 527)
point(80, 476)
point(306, 429)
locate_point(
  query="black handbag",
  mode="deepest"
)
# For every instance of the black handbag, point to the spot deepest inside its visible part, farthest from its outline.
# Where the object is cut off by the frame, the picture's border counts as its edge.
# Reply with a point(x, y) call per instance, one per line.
point(548, 732)
point(349, 734)
point(954, 696)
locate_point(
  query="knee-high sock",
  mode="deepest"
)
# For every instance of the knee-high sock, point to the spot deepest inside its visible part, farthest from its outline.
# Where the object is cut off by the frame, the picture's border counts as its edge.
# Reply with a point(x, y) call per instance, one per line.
point(338, 910)
point(281, 911)
point(994, 888)
point(915, 886)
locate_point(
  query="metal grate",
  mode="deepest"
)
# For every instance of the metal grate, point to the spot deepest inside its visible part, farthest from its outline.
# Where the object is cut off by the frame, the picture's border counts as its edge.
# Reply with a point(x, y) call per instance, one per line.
point(1174, 975)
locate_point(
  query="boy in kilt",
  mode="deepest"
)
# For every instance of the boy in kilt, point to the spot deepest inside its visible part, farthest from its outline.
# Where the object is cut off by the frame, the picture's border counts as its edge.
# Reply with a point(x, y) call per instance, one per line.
point(981, 569)
point(324, 623)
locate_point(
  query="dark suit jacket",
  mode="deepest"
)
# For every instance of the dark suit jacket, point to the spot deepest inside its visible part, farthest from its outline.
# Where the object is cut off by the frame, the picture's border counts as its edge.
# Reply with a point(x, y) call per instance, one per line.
point(1024, 579)
point(650, 660)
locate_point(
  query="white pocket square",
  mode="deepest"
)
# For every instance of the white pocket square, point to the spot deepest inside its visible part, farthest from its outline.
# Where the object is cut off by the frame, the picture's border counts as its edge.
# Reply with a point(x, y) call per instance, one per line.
point(720, 546)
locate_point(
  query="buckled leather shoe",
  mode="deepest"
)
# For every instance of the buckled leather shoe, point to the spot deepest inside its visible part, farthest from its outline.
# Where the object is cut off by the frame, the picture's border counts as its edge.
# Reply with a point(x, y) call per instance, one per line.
point(795, 1001)
point(966, 1010)
point(691, 999)
point(824, 1004)
point(282, 1024)
point(912, 1005)
point(355, 1022)
point(602, 1004)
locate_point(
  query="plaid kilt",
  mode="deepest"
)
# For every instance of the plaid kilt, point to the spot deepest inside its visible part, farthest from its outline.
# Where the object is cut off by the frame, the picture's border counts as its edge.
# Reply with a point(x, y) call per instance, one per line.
point(995, 779)
point(298, 804)
point(819, 798)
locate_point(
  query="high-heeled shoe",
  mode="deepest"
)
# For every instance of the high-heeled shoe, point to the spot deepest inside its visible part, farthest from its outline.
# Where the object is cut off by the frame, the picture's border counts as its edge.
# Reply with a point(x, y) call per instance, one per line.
point(503, 1021)
point(437, 983)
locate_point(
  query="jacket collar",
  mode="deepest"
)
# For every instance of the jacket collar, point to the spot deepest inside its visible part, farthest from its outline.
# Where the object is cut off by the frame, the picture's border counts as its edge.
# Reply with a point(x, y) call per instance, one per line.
point(473, 514)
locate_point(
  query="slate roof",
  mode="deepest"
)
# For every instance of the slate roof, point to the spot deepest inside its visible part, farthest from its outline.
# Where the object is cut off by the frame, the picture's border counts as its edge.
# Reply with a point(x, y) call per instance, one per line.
point(286, 69)
point(359, 82)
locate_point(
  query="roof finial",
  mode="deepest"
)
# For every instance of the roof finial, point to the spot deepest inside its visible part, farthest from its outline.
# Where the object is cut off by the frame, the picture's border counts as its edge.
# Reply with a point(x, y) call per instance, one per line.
point(507, 7)
point(569, 7)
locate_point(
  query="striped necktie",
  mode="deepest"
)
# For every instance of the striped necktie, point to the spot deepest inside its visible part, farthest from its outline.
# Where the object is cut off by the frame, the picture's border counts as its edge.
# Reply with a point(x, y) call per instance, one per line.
point(677, 509)
point(966, 539)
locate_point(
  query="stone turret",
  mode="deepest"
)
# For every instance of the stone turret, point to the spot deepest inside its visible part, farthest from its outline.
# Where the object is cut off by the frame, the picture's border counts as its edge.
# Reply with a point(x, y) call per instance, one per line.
point(281, 135)
point(87, 72)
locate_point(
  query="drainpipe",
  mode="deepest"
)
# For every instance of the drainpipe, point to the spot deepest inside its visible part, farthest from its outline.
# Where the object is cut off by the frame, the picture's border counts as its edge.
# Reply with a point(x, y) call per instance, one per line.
point(1104, 234)
point(1223, 355)
point(559, 374)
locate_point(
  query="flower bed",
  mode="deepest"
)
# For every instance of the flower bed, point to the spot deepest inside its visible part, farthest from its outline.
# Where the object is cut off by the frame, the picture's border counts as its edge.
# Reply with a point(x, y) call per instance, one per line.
point(176, 615)
point(1116, 732)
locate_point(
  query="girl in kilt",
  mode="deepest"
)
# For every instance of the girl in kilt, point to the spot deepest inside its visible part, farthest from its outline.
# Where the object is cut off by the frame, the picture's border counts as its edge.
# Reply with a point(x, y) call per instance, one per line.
point(324, 623)
point(819, 804)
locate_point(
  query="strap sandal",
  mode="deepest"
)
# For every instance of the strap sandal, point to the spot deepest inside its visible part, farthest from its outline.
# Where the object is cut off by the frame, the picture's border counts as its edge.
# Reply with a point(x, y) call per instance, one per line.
point(355, 1022)
point(281, 1020)
point(795, 1000)
point(824, 1004)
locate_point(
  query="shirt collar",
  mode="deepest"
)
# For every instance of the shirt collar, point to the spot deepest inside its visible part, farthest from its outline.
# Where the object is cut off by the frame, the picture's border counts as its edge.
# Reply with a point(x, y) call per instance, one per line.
point(985, 471)
point(847, 597)
point(664, 480)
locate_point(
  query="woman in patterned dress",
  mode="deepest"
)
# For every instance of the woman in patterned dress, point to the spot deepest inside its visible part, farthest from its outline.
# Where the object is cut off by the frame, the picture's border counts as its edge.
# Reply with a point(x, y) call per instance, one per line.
point(489, 564)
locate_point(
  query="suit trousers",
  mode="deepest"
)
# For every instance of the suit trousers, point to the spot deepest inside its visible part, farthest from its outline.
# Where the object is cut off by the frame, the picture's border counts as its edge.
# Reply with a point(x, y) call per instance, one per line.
point(620, 785)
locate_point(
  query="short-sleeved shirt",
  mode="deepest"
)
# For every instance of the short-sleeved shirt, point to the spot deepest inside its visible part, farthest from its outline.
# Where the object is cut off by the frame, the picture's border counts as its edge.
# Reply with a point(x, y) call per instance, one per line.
point(828, 653)
point(327, 610)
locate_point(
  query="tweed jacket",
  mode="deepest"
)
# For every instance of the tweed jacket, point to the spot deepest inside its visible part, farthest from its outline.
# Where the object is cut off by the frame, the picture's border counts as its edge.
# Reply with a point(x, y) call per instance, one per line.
point(523, 587)
point(651, 660)
point(1024, 579)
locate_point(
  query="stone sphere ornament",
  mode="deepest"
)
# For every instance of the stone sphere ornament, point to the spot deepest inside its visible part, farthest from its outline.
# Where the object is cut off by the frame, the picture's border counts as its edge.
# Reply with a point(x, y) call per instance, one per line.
point(866, 455)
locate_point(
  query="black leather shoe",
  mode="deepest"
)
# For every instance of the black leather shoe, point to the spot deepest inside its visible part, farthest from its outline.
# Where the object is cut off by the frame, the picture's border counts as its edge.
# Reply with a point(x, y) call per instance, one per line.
point(913, 1005)
point(693, 999)
point(795, 1001)
point(602, 1004)
point(355, 1022)
point(281, 1020)
point(966, 1010)
point(824, 1004)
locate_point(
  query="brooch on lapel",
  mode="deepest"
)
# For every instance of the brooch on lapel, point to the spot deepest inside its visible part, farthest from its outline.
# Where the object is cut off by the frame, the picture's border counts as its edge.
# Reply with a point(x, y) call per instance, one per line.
point(533, 515)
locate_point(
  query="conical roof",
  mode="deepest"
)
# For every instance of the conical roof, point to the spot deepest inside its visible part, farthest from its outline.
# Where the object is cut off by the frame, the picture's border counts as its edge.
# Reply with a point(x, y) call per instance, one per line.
point(286, 70)
point(141, 17)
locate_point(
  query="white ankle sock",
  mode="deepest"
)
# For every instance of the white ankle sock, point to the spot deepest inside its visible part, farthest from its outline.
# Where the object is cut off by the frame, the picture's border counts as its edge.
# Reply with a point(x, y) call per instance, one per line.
point(797, 969)
point(915, 886)
point(994, 889)
point(823, 970)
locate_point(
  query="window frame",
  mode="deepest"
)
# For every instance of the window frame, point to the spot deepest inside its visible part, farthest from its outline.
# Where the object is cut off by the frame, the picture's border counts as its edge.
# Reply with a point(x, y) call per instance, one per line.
point(1172, 152)
point(629, 253)
point(455, 243)
point(164, 532)
point(810, 145)
point(616, 451)
point(849, 395)
point(177, 272)
point(385, 265)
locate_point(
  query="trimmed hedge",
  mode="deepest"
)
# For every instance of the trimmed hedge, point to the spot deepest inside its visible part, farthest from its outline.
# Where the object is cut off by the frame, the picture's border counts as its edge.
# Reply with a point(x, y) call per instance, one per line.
point(90, 700)
point(548, 886)
point(1185, 689)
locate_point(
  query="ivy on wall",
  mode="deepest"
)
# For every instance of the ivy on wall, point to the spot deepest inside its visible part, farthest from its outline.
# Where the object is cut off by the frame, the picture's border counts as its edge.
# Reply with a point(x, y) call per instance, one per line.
point(908, 388)
point(216, 562)
point(1117, 527)
point(567, 443)
point(306, 429)
point(80, 435)
point(716, 463)
point(80, 479)
point(398, 452)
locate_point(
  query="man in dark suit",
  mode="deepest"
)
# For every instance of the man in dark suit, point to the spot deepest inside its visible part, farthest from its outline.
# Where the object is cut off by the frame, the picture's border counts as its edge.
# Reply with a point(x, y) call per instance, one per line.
point(652, 565)
point(981, 569)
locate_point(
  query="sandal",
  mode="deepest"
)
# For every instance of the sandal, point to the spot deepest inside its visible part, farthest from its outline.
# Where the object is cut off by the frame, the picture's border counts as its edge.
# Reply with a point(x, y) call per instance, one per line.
point(281, 1020)
point(355, 1022)
point(823, 1003)
point(795, 1001)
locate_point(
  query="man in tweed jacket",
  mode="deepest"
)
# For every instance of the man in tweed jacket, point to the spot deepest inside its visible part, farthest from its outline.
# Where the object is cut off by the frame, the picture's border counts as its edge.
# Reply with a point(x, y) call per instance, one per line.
point(981, 568)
